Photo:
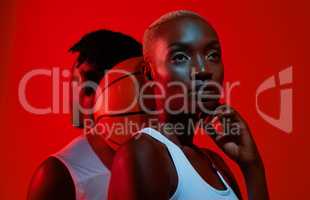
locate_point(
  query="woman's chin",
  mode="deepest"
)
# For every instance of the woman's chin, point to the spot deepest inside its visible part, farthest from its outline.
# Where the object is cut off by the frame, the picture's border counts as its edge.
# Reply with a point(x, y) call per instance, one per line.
point(208, 106)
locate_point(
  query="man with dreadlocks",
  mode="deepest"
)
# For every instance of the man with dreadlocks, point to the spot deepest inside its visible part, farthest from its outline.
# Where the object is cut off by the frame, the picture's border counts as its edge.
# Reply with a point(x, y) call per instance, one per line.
point(82, 169)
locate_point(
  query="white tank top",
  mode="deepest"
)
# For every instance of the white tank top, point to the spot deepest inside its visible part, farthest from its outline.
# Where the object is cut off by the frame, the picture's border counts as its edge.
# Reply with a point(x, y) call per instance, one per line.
point(91, 178)
point(191, 186)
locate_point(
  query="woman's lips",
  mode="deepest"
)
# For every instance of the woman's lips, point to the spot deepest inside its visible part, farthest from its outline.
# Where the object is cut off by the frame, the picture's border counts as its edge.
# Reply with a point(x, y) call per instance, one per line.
point(206, 93)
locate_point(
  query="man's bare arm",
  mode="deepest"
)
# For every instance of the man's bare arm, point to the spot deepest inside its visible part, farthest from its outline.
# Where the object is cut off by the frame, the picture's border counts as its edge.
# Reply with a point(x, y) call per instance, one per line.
point(51, 181)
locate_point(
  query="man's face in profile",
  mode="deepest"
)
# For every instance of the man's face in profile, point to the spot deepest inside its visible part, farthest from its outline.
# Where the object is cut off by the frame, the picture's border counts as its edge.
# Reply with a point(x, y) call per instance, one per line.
point(85, 79)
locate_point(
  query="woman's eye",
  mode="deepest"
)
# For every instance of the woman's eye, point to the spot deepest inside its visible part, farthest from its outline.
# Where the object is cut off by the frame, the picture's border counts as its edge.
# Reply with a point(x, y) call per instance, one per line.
point(180, 58)
point(213, 56)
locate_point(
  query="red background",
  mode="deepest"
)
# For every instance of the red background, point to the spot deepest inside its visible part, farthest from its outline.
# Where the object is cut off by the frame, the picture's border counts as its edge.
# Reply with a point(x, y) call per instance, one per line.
point(259, 39)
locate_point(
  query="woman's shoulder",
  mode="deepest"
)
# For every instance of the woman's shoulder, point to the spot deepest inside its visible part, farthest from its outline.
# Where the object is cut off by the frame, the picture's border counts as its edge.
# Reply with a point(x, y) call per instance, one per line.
point(147, 164)
point(142, 147)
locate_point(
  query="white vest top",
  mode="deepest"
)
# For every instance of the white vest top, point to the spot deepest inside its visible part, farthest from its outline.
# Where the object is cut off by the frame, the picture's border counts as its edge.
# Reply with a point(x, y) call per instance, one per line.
point(91, 178)
point(191, 186)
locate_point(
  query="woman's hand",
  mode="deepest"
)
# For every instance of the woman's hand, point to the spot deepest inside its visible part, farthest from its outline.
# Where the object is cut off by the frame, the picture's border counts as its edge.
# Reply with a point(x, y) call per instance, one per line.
point(232, 134)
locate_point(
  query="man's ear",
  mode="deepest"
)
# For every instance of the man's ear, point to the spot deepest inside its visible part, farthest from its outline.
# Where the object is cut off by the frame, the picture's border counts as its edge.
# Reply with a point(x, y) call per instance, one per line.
point(76, 116)
point(76, 76)
point(147, 71)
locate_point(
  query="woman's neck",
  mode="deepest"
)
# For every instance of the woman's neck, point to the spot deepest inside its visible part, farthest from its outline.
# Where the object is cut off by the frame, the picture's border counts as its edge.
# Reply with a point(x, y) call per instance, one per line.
point(179, 128)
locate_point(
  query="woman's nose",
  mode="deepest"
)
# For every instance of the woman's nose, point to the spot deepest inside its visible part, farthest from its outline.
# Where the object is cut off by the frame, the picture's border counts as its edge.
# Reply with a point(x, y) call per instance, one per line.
point(200, 70)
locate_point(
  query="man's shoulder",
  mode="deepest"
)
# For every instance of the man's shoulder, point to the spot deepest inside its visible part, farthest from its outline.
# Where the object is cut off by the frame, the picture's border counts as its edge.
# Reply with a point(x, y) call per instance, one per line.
point(53, 166)
point(51, 180)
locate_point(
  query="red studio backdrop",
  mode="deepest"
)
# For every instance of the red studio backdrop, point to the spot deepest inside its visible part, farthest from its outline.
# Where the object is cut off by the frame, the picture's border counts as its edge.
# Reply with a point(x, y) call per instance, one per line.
point(259, 40)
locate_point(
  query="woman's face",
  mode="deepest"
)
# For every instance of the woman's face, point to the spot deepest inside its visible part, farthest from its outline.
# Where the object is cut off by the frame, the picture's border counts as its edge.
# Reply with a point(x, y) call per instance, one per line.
point(187, 52)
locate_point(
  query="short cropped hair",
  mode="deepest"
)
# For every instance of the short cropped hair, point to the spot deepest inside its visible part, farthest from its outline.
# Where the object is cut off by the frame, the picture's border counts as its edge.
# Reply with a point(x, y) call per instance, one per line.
point(150, 32)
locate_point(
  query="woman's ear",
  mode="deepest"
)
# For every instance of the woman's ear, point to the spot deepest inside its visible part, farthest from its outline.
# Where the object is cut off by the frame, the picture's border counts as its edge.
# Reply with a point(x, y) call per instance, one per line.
point(147, 71)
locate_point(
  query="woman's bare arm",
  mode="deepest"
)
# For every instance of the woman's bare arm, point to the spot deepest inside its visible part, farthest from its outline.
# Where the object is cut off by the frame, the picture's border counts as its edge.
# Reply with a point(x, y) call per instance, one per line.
point(139, 172)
